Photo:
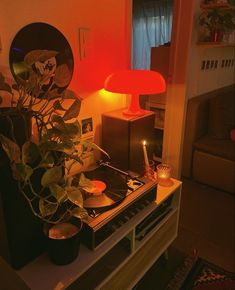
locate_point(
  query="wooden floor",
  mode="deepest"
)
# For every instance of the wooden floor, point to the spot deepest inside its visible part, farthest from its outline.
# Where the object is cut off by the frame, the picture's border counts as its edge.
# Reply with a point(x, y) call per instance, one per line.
point(207, 225)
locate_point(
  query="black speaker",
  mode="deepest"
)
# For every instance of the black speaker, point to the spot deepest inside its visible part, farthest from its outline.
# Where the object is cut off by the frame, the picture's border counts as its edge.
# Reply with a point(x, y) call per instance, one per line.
point(21, 235)
point(123, 136)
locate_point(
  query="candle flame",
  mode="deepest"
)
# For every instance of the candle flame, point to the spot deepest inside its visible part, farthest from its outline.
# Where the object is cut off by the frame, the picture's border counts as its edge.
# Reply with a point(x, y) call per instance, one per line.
point(144, 142)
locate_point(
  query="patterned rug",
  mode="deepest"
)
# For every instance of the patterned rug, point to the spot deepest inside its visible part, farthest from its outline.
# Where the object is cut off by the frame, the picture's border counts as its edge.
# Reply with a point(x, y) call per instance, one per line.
point(198, 274)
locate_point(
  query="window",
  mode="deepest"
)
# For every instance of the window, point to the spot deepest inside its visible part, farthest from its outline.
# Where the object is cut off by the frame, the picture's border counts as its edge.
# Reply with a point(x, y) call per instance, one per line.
point(152, 24)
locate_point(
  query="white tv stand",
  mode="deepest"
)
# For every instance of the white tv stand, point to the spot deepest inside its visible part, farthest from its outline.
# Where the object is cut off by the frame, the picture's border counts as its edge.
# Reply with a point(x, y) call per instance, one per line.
point(121, 260)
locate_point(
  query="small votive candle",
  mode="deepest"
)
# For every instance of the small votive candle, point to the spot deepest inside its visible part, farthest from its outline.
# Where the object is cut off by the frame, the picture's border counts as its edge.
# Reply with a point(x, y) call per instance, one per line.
point(164, 174)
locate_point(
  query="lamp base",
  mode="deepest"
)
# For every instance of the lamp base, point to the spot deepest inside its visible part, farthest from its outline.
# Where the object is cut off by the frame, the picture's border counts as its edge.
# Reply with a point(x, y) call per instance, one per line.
point(129, 112)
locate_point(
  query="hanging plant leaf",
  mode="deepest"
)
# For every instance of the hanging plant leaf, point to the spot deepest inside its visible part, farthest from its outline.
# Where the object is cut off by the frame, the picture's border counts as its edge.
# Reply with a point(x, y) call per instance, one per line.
point(48, 159)
point(53, 94)
point(30, 152)
point(57, 119)
point(73, 110)
point(74, 157)
point(68, 94)
point(52, 175)
point(46, 208)
point(5, 87)
point(62, 76)
point(75, 195)
point(58, 192)
point(57, 106)
point(80, 213)
point(11, 148)
point(65, 145)
point(85, 182)
point(22, 171)
point(73, 129)
point(48, 145)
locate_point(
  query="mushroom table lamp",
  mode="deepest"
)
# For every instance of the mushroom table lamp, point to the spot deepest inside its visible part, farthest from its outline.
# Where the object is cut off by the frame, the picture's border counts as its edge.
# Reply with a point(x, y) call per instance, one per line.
point(135, 83)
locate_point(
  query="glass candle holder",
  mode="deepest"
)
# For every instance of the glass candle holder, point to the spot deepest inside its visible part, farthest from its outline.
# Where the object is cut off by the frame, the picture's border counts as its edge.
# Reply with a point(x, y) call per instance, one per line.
point(150, 170)
point(164, 174)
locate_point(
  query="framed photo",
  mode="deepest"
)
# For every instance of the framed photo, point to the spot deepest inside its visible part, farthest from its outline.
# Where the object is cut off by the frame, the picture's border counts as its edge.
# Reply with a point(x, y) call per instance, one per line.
point(87, 127)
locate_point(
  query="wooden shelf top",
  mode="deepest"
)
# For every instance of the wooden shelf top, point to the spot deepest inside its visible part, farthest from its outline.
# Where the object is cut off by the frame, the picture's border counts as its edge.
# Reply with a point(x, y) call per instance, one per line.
point(215, 44)
point(217, 5)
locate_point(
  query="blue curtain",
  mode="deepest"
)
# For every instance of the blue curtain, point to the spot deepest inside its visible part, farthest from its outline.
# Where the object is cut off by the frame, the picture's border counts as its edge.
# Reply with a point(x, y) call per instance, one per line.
point(152, 24)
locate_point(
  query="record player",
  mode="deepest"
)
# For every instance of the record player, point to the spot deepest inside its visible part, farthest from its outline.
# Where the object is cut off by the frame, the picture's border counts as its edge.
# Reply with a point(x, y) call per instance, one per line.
point(117, 196)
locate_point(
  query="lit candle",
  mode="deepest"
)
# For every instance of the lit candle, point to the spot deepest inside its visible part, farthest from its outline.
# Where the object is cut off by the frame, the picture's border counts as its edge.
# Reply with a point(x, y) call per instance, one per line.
point(146, 160)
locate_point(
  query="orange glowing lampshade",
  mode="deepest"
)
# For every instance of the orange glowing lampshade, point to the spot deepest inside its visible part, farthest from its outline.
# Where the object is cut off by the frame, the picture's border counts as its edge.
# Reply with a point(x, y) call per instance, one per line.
point(135, 83)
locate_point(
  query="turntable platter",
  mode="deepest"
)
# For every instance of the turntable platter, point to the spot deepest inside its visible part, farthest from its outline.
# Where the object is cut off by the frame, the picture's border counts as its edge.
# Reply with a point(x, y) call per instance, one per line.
point(114, 188)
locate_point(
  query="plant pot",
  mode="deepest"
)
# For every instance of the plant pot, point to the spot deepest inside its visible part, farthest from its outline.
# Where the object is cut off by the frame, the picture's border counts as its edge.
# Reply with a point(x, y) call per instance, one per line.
point(63, 241)
point(217, 35)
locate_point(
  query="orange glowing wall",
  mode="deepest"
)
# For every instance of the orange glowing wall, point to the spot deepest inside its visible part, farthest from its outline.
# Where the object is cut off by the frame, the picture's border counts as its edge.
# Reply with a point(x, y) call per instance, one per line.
point(106, 26)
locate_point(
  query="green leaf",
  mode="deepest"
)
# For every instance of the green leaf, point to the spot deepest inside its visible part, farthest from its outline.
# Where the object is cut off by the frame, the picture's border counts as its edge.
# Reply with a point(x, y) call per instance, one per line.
point(52, 175)
point(5, 87)
point(85, 182)
point(48, 159)
point(57, 119)
point(58, 122)
point(68, 94)
point(30, 152)
point(73, 129)
point(22, 171)
point(57, 106)
point(58, 192)
point(11, 148)
point(65, 145)
point(80, 213)
point(48, 145)
point(47, 208)
point(73, 110)
point(62, 76)
point(75, 195)
point(75, 157)
point(53, 94)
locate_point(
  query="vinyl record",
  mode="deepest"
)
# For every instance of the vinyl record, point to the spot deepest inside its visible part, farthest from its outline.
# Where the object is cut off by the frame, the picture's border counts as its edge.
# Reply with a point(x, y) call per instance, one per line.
point(115, 188)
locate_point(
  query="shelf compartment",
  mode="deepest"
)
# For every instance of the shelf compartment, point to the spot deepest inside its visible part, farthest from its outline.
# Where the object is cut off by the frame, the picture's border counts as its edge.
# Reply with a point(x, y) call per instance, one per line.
point(130, 273)
point(104, 267)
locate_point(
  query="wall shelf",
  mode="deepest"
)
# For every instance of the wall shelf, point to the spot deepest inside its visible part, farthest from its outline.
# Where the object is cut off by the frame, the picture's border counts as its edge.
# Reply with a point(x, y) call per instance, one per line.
point(217, 6)
point(215, 44)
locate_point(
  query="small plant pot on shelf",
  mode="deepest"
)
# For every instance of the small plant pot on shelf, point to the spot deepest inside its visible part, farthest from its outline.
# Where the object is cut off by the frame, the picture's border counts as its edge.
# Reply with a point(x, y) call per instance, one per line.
point(63, 241)
point(217, 35)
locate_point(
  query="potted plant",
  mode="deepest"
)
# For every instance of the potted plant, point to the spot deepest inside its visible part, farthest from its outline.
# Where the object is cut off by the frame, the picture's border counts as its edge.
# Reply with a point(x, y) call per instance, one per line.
point(42, 164)
point(216, 22)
